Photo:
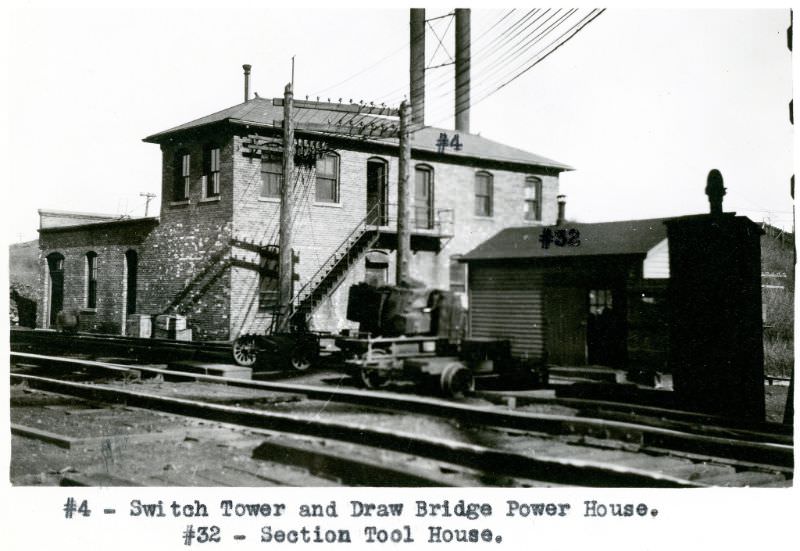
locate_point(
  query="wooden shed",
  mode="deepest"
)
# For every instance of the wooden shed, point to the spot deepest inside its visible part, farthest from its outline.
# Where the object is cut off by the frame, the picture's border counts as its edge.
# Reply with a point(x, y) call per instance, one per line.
point(599, 298)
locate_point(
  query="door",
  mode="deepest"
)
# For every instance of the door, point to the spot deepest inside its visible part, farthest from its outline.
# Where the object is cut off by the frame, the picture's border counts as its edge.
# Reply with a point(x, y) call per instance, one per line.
point(55, 264)
point(376, 192)
point(423, 198)
point(132, 265)
point(565, 316)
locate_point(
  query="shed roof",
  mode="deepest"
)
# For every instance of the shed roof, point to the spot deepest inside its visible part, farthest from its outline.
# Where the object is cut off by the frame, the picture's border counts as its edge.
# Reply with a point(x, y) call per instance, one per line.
point(262, 112)
point(624, 237)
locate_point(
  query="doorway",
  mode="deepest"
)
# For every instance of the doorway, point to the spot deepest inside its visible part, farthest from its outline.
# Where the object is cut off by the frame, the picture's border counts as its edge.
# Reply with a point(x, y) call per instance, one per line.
point(376, 192)
point(55, 265)
point(423, 198)
point(565, 314)
point(605, 331)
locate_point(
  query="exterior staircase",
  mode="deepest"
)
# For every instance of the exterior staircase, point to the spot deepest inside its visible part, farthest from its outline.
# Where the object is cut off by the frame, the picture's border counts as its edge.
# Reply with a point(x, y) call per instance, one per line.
point(331, 273)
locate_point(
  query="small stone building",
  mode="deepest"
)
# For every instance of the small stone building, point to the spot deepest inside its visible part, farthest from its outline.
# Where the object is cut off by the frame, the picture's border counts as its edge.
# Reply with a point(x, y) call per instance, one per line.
point(210, 254)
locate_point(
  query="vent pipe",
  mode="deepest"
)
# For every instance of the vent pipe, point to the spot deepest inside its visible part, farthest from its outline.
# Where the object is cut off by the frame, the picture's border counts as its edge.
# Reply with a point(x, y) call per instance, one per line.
point(417, 65)
point(562, 207)
point(246, 68)
point(462, 69)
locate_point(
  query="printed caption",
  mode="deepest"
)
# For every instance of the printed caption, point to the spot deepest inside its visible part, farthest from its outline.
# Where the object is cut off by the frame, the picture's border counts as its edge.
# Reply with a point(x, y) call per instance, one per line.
point(443, 522)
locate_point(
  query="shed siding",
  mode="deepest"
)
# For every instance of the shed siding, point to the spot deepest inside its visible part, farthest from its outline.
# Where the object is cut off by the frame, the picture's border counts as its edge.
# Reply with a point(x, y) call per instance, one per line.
point(656, 263)
point(506, 302)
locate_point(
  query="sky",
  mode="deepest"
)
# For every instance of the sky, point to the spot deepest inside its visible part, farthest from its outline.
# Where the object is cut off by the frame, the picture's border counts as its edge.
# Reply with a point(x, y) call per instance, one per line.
point(641, 103)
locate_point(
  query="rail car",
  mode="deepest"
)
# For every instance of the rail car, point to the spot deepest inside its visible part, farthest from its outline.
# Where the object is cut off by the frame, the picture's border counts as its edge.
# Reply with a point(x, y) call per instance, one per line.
point(406, 333)
point(411, 333)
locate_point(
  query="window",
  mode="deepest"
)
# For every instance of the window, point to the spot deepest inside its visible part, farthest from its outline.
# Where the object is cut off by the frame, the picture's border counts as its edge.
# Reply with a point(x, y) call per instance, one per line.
point(423, 197)
point(268, 285)
point(599, 301)
point(180, 184)
point(533, 198)
point(211, 170)
point(91, 280)
point(328, 178)
point(458, 275)
point(271, 175)
point(483, 194)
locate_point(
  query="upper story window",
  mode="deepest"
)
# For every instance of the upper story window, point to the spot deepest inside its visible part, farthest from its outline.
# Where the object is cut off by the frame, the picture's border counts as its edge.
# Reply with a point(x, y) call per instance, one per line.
point(328, 178)
point(483, 194)
point(91, 280)
point(211, 156)
point(271, 175)
point(533, 198)
point(180, 183)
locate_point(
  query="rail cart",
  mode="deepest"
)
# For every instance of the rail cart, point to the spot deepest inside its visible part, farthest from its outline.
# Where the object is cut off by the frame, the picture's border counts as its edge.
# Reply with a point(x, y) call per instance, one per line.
point(432, 361)
point(298, 351)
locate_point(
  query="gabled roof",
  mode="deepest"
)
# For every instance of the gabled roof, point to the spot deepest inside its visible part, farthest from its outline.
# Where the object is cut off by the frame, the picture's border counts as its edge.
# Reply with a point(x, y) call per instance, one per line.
point(625, 237)
point(261, 112)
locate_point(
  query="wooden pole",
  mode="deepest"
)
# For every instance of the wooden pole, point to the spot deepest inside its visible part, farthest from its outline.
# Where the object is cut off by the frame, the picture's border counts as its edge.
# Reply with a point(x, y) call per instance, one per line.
point(285, 232)
point(404, 197)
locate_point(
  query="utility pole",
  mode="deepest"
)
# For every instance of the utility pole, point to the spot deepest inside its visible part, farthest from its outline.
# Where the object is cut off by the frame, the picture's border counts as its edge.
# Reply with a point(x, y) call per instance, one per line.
point(404, 197)
point(285, 232)
point(148, 197)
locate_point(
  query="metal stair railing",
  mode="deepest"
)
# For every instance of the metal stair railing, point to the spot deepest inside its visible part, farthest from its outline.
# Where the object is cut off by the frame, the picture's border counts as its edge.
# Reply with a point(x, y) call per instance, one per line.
point(341, 254)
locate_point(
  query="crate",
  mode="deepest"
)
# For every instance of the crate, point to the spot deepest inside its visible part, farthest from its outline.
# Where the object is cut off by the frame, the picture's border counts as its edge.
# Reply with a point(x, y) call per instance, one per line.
point(167, 322)
point(173, 334)
point(139, 325)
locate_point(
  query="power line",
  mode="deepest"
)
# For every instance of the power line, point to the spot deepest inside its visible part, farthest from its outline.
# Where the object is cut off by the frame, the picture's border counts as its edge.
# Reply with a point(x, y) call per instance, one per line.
point(537, 58)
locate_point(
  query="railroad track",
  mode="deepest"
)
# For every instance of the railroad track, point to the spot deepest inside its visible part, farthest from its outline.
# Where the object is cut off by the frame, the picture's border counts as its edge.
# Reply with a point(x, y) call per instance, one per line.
point(512, 445)
point(108, 345)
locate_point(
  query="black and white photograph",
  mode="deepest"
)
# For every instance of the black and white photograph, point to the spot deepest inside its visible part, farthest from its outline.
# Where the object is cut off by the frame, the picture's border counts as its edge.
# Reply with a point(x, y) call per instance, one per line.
point(409, 246)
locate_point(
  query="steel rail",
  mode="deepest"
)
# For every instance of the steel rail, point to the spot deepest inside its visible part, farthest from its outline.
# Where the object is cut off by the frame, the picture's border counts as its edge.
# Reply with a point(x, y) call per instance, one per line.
point(764, 453)
point(545, 469)
point(686, 420)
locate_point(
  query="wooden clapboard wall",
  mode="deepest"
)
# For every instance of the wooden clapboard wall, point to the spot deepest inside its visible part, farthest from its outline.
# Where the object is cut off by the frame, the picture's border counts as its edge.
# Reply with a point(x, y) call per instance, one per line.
point(506, 302)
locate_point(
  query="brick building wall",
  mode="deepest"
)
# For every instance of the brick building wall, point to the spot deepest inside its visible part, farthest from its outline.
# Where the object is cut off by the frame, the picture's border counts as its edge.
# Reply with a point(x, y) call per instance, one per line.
point(183, 267)
point(110, 242)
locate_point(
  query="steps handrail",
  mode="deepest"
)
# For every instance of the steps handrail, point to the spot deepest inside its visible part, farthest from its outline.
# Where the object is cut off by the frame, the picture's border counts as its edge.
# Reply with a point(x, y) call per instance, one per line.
point(359, 228)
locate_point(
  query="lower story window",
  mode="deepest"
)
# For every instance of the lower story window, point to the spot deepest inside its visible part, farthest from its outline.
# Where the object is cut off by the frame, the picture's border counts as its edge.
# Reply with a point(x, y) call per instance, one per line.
point(268, 285)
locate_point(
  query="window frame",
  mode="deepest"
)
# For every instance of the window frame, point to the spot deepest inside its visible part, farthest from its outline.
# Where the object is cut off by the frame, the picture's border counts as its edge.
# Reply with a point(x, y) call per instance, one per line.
point(91, 281)
point(182, 176)
point(271, 158)
point(212, 156)
point(268, 299)
point(484, 199)
point(335, 179)
point(533, 206)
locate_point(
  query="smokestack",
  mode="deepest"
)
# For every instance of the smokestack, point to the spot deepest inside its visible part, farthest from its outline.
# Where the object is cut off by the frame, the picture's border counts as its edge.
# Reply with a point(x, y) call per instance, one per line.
point(715, 189)
point(417, 66)
point(246, 68)
point(462, 69)
point(562, 204)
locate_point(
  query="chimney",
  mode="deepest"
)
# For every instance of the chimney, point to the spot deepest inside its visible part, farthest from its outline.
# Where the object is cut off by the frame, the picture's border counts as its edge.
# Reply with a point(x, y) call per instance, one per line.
point(417, 66)
point(246, 68)
point(715, 190)
point(462, 69)
point(562, 204)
